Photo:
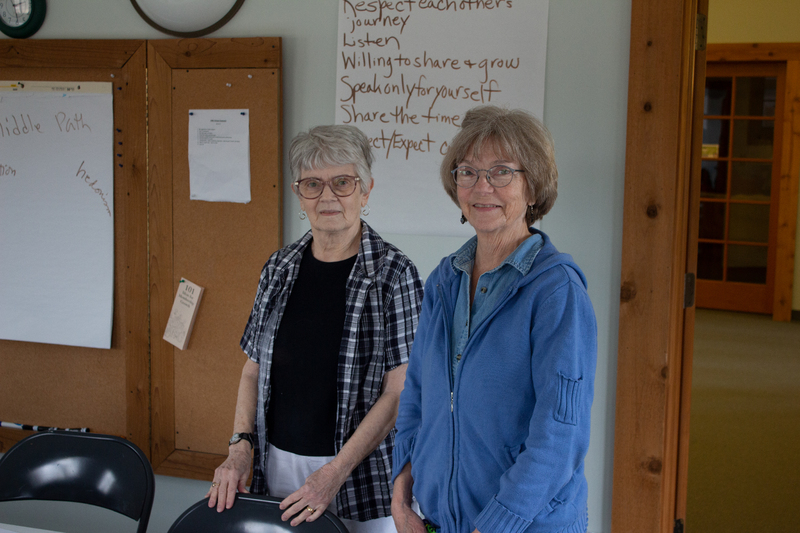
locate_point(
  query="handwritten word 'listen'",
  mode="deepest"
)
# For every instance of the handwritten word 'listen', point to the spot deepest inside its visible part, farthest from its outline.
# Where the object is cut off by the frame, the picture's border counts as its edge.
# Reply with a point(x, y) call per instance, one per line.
point(367, 41)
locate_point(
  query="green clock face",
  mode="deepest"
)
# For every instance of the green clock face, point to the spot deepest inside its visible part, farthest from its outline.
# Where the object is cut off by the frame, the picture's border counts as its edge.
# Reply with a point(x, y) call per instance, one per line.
point(21, 18)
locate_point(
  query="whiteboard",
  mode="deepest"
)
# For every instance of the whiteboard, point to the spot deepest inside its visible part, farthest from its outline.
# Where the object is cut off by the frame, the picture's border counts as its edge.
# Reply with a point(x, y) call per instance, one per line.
point(407, 72)
point(57, 212)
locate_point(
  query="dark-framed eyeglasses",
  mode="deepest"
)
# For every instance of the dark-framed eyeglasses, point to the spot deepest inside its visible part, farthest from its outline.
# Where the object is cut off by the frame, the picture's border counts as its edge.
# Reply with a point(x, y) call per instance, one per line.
point(341, 186)
point(497, 176)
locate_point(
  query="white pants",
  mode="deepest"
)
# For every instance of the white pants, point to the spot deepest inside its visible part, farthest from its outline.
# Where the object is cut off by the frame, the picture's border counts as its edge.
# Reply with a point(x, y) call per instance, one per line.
point(287, 472)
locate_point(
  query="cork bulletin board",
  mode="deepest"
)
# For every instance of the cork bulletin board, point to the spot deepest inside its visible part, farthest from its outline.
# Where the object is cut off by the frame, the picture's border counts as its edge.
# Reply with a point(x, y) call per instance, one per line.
point(220, 246)
point(106, 390)
point(177, 406)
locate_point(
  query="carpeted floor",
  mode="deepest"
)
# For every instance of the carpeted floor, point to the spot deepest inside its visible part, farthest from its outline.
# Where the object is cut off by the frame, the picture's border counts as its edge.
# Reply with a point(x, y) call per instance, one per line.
point(744, 446)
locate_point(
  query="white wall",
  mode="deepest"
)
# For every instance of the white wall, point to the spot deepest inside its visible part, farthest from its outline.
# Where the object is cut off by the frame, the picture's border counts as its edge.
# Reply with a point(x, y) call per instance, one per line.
point(585, 108)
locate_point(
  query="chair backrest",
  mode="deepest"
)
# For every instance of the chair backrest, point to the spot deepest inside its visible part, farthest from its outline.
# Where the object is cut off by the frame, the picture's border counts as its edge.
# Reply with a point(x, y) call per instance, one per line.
point(90, 468)
point(250, 514)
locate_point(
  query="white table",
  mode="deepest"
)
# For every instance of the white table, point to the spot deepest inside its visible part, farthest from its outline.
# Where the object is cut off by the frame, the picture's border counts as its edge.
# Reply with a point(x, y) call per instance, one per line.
point(11, 528)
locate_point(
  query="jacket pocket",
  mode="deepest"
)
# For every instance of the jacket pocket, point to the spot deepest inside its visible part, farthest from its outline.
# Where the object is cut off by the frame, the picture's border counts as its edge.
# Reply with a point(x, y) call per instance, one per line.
point(566, 494)
point(569, 395)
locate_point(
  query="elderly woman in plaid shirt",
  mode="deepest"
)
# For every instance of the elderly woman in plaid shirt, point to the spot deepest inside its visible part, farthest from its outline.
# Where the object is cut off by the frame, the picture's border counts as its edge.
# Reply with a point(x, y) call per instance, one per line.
point(327, 345)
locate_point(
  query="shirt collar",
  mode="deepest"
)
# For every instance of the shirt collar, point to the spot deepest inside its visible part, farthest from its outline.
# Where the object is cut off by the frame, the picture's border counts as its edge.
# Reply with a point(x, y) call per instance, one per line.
point(521, 258)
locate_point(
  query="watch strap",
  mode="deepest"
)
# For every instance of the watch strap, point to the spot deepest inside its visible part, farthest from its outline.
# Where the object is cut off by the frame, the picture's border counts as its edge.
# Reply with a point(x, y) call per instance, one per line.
point(241, 436)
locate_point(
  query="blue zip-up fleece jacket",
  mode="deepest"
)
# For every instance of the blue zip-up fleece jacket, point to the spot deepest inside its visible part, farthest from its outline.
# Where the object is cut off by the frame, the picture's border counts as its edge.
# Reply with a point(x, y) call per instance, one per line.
point(504, 449)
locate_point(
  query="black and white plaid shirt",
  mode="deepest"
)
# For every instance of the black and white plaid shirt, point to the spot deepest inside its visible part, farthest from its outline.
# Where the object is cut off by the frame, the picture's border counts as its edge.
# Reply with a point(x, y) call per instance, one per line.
point(383, 299)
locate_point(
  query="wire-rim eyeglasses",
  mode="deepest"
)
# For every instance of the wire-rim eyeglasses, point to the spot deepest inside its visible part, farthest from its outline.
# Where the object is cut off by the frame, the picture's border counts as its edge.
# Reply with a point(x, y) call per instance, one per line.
point(498, 176)
point(341, 186)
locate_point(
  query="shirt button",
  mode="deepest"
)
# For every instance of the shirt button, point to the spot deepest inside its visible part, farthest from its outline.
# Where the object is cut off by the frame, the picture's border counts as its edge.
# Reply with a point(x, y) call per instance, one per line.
point(483, 290)
point(458, 357)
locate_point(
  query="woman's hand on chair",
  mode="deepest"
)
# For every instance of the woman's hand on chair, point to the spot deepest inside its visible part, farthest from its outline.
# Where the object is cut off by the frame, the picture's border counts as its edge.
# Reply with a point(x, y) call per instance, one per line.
point(230, 477)
point(315, 495)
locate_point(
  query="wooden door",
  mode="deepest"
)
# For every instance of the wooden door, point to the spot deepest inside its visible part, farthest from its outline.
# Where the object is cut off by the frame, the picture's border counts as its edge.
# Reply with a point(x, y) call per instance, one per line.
point(739, 186)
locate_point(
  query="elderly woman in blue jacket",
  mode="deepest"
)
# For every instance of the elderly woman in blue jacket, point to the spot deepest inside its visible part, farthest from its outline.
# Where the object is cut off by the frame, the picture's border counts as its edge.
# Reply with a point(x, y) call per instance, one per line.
point(493, 423)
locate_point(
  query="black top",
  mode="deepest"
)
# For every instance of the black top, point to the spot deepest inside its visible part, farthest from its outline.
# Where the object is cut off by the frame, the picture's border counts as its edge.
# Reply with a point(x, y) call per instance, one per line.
point(301, 415)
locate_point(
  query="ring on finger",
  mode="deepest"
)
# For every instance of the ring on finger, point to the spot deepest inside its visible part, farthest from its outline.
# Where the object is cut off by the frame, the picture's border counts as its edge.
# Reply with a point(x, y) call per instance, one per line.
point(310, 510)
point(214, 484)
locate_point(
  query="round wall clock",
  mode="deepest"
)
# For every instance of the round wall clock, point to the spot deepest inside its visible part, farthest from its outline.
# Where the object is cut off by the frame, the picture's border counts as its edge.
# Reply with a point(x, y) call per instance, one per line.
point(186, 18)
point(21, 18)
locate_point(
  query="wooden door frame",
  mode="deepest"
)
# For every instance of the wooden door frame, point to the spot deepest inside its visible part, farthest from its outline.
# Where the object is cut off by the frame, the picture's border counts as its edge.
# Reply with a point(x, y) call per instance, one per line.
point(653, 332)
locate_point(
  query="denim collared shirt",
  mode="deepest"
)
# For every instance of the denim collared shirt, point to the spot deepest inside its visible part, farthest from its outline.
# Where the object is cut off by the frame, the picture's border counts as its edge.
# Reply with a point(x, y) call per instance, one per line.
point(491, 287)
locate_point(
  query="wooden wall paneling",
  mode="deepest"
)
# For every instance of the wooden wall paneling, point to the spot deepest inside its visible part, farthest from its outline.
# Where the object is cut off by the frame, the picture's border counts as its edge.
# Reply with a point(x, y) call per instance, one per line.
point(218, 245)
point(67, 386)
point(788, 186)
point(660, 99)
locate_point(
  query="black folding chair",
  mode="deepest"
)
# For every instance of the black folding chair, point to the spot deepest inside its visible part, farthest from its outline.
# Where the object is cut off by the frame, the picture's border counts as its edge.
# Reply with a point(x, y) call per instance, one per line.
point(250, 514)
point(89, 468)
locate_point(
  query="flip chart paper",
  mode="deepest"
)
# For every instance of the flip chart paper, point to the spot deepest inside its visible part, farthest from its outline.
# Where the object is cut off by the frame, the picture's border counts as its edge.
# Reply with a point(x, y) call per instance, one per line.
point(57, 213)
point(407, 72)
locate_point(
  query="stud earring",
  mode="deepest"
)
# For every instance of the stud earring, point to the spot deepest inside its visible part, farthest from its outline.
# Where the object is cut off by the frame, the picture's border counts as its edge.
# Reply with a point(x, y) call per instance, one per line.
point(302, 215)
point(463, 219)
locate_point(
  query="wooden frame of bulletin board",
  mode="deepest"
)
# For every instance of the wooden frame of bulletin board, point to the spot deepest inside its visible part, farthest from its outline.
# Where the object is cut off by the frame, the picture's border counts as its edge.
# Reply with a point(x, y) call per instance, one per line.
point(67, 386)
point(220, 246)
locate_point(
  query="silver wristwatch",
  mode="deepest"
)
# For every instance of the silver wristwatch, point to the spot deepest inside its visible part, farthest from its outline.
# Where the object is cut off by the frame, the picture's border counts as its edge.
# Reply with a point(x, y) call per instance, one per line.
point(239, 436)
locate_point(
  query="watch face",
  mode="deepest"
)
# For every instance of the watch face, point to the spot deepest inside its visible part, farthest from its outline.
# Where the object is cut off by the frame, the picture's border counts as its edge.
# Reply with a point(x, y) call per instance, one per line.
point(15, 13)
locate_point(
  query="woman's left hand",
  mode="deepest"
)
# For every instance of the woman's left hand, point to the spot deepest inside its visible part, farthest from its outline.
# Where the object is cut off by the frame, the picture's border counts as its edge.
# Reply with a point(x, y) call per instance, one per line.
point(316, 494)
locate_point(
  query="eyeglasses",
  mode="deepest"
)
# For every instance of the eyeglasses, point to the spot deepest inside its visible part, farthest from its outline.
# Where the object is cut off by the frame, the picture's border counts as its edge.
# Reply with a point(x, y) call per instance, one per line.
point(497, 176)
point(341, 186)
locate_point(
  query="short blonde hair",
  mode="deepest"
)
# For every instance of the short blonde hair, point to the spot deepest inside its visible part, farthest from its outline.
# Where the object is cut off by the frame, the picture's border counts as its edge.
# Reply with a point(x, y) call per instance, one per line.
point(514, 134)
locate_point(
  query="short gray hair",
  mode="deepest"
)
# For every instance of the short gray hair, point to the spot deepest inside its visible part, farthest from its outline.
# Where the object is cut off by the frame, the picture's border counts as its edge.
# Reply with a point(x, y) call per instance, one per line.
point(514, 134)
point(332, 146)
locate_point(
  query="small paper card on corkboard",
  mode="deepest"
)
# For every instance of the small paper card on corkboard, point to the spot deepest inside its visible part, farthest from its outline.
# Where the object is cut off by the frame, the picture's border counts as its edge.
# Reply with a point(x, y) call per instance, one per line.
point(184, 311)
